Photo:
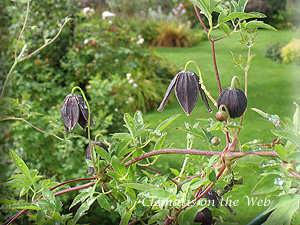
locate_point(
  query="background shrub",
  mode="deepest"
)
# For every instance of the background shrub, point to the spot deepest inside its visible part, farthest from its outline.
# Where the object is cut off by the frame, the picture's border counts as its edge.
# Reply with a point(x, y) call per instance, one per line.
point(273, 52)
point(291, 52)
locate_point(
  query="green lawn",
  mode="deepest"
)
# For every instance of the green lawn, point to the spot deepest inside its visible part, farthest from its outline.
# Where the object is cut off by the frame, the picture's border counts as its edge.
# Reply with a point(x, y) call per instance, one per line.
point(272, 88)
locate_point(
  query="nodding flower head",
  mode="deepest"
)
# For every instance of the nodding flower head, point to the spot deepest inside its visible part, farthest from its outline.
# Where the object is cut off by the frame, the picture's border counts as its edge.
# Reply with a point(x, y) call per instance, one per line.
point(235, 101)
point(74, 110)
point(187, 88)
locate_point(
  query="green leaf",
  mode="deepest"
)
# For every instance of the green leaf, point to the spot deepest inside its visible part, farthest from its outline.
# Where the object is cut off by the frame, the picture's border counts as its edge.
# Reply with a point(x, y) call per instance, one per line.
point(288, 135)
point(294, 156)
point(158, 216)
point(118, 166)
point(82, 210)
point(225, 28)
point(80, 198)
point(19, 163)
point(259, 24)
point(296, 118)
point(138, 117)
point(23, 191)
point(138, 186)
point(48, 195)
point(202, 5)
point(101, 151)
point(166, 123)
point(211, 174)
point(29, 206)
point(285, 206)
point(187, 216)
point(123, 136)
point(103, 201)
point(125, 219)
point(250, 160)
point(271, 118)
point(222, 16)
point(282, 153)
point(159, 143)
point(213, 5)
point(217, 126)
point(130, 124)
point(242, 4)
point(266, 185)
point(242, 16)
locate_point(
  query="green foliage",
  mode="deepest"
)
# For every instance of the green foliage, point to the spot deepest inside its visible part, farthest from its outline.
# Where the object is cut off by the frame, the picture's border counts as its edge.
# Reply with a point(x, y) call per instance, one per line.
point(273, 52)
point(290, 53)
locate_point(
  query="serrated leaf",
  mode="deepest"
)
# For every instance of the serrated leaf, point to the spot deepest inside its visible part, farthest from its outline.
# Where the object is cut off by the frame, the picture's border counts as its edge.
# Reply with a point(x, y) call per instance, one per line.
point(258, 24)
point(266, 185)
point(19, 163)
point(103, 201)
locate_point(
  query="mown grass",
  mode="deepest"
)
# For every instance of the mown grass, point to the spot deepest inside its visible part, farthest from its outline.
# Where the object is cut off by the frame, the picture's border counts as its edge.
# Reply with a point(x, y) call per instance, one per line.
point(272, 87)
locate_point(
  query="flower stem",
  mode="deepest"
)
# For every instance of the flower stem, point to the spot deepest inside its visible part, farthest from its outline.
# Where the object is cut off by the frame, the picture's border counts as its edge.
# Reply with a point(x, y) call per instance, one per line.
point(89, 125)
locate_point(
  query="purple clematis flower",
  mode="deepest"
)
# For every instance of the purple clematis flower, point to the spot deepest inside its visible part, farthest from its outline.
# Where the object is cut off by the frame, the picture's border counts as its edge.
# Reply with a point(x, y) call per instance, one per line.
point(187, 88)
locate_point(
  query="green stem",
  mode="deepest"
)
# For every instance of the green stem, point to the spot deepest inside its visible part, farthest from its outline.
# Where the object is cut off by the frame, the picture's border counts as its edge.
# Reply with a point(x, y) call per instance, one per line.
point(89, 125)
point(198, 68)
point(235, 79)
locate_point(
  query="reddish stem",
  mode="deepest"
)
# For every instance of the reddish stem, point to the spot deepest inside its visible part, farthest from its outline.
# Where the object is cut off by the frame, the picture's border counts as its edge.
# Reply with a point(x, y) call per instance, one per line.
point(156, 171)
point(172, 151)
point(14, 217)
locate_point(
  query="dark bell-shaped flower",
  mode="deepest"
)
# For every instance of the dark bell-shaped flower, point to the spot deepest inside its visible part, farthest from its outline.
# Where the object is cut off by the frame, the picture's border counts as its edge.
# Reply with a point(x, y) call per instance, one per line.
point(74, 110)
point(88, 154)
point(187, 90)
point(204, 217)
point(235, 101)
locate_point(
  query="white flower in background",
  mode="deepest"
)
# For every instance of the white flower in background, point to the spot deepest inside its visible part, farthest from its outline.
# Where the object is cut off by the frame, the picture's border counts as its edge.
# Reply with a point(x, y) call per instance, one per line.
point(140, 41)
point(116, 109)
point(130, 99)
point(86, 41)
point(128, 75)
point(135, 85)
point(116, 60)
point(106, 14)
point(131, 81)
point(87, 11)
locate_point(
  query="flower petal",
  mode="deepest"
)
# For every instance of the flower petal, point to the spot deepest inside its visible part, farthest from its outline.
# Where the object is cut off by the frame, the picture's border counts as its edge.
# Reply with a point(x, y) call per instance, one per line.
point(187, 91)
point(84, 111)
point(169, 91)
point(70, 112)
point(204, 99)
